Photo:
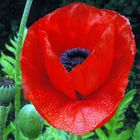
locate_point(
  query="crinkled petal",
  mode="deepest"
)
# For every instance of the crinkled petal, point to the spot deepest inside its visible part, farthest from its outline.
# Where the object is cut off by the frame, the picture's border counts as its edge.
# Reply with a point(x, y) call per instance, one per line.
point(32, 66)
point(94, 71)
point(56, 72)
point(78, 117)
point(75, 25)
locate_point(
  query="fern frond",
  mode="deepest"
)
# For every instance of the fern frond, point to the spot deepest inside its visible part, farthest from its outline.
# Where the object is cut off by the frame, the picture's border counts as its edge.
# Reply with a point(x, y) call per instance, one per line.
point(7, 68)
point(10, 48)
point(8, 59)
point(8, 62)
point(13, 42)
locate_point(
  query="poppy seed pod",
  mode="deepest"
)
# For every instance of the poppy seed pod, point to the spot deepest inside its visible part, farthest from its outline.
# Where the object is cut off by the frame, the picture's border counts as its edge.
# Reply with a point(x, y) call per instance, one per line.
point(7, 90)
point(30, 122)
point(75, 64)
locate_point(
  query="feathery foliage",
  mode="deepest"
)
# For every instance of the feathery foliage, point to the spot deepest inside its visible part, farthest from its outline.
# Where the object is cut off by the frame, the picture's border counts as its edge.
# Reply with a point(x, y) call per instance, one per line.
point(8, 62)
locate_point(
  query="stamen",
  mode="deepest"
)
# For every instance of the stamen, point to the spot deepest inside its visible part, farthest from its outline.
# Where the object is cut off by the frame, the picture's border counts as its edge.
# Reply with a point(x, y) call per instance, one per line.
point(73, 57)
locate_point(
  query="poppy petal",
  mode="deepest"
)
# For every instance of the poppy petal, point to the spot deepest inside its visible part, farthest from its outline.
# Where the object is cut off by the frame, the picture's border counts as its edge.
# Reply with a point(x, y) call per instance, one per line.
point(64, 31)
point(31, 63)
point(83, 117)
point(57, 74)
point(94, 71)
point(49, 60)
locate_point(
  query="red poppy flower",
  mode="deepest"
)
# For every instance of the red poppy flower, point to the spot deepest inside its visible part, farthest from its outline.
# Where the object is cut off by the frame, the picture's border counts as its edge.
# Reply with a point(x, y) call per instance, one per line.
point(75, 64)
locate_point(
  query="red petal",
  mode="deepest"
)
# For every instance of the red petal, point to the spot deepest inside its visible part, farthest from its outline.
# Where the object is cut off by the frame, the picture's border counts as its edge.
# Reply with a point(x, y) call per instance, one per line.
point(94, 71)
point(32, 63)
point(57, 74)
point(32, 53)
point(75, 25)
point(78, 117)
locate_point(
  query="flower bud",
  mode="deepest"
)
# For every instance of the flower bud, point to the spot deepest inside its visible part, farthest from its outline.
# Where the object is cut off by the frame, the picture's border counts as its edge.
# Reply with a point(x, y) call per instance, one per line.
point(30, 122)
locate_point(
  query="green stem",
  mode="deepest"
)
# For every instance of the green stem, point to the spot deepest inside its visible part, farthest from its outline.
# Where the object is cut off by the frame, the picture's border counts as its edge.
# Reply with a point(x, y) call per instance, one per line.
point(17, 66)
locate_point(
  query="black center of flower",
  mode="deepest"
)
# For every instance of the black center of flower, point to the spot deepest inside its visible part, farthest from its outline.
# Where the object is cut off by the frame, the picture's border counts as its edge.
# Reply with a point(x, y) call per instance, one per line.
point(6, 82)
point(72, 57)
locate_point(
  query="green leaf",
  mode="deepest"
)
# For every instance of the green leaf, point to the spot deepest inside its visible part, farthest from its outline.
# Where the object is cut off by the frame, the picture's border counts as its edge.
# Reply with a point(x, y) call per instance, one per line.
point(101, 134)
point(53, 134)
point(137, 132)
point(7, 68)
point(125, 135)
point(8, 62)
point(8, 59)
point(119, 125)
point(126, 101)
point(10, 48)
point(88, 135)
point(13, 42)
point(9, 129)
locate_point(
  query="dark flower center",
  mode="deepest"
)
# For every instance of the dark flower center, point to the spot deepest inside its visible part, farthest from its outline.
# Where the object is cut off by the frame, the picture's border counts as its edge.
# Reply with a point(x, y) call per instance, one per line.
point(73, 57)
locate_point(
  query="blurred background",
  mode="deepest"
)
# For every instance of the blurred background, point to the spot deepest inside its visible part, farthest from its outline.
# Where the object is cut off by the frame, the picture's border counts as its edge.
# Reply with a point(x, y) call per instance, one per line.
point(11, 13)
